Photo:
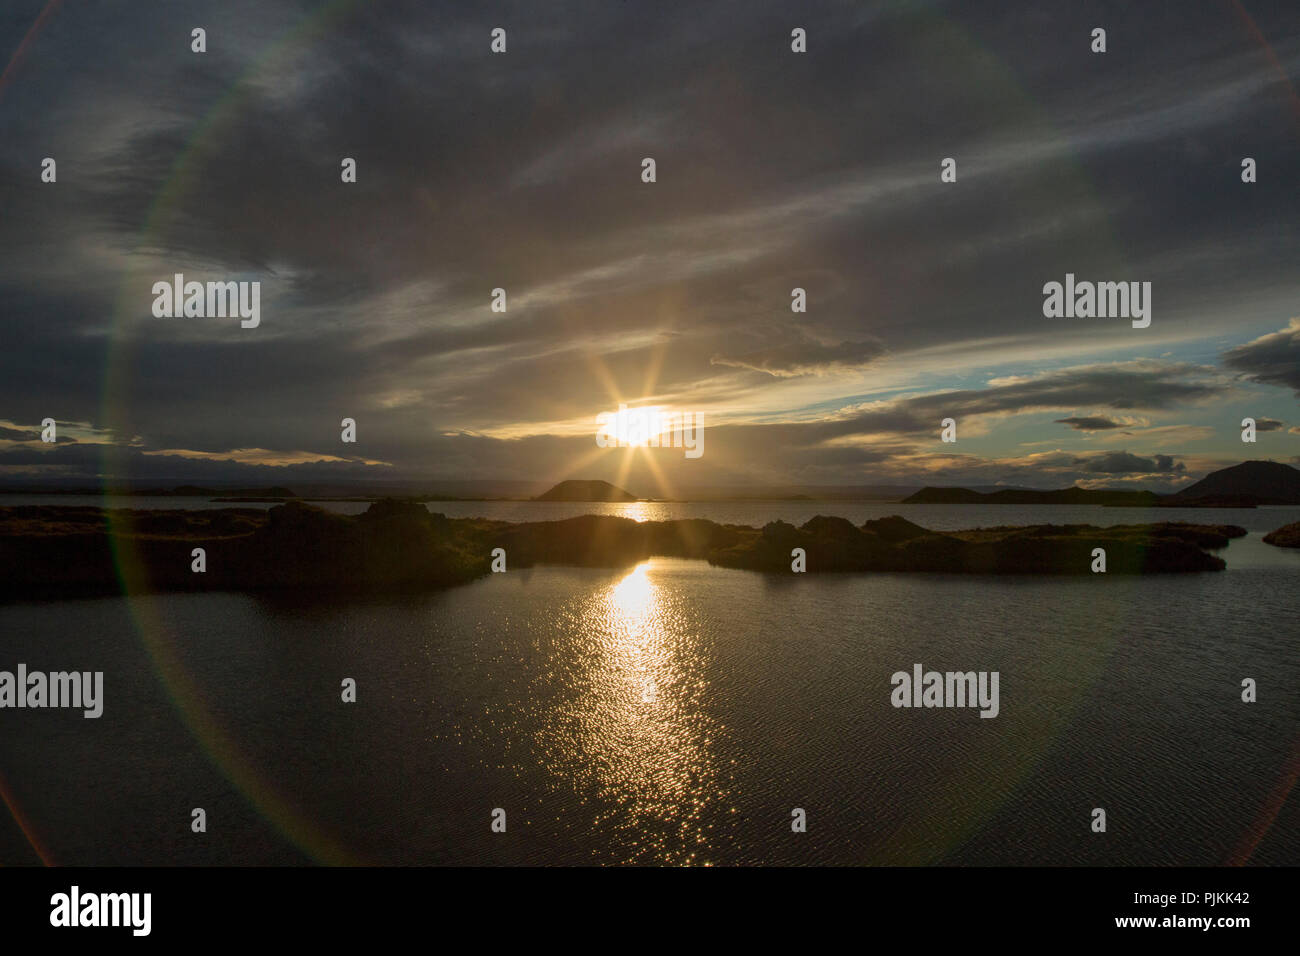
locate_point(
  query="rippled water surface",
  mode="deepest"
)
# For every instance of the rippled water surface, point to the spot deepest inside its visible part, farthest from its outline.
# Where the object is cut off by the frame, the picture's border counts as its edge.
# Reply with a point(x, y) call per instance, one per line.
point(671, 712)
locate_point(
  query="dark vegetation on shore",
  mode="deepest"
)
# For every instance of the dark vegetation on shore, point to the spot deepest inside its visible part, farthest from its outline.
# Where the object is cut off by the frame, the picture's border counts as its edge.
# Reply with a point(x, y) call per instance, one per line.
point(400, 545)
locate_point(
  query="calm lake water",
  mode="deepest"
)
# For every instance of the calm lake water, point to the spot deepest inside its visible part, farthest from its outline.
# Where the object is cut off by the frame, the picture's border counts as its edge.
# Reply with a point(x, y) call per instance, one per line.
point(676, 713)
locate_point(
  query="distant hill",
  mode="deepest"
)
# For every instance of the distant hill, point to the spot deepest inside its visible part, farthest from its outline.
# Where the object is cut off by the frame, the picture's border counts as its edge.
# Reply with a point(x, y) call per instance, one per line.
point(179, 491)
point(1267, 482)
point(793, 492)
point(197, 491)
point(1242, 486)
point(1023, 496)
point(576, 490)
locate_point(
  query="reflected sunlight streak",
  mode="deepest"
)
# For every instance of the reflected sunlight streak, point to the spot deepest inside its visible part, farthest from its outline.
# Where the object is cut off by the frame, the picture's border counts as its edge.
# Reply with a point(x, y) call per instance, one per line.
point(642, 735)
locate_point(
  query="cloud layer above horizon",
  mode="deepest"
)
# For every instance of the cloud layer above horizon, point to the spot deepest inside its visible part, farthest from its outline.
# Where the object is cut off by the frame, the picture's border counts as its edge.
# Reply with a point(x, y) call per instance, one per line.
point(775, 170)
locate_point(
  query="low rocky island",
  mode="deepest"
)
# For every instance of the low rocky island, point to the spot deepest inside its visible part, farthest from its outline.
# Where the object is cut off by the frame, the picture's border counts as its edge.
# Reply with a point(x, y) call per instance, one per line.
point(1287, 536)
point(400, 545)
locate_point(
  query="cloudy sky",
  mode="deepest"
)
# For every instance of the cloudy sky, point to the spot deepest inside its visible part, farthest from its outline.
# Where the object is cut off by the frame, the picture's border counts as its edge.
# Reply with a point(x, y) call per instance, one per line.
point(523, 171)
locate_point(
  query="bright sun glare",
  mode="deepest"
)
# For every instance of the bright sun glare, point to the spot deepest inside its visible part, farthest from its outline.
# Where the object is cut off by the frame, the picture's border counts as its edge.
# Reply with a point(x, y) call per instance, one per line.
point(633, 427)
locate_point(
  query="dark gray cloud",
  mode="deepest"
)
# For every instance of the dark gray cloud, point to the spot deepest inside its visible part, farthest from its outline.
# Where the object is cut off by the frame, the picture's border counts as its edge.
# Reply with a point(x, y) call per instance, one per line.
point(1090, 423)
point(1272, 359)
point(1127, 386)
point(805, 358)
point(1121, 463)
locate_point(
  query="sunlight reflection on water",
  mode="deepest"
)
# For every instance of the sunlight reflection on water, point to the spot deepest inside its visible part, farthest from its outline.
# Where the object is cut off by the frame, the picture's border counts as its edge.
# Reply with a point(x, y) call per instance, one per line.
point(636, 729)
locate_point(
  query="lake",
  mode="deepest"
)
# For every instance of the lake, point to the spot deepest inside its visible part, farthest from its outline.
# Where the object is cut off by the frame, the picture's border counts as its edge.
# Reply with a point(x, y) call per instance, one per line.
point(676, 713)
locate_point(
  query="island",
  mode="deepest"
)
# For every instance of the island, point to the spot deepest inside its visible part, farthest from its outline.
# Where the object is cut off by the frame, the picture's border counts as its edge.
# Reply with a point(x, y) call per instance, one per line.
point(577, 490)
point(1287, 536)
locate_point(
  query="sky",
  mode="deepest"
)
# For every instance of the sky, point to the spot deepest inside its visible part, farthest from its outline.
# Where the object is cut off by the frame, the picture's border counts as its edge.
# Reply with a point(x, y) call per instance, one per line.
point(774, 170)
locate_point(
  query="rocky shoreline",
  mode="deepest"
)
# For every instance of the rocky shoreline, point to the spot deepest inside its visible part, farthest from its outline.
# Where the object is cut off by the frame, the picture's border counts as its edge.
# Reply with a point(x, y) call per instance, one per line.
point(1288, 536)
point(399, 545)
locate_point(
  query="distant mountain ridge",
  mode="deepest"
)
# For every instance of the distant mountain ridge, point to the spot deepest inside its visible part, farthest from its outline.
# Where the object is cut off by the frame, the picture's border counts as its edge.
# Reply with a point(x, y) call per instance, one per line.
point(1269, 482)
point(1241, 486)
point(179, 491)
point(1063, 496)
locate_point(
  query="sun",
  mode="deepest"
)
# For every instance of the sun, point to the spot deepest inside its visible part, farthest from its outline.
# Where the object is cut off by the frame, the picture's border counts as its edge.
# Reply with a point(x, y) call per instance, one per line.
point(633, 427)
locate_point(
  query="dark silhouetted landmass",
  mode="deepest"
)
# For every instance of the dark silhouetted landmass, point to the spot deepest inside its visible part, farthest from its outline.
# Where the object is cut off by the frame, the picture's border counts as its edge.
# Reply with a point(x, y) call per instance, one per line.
point(400, 545)
point(274, 493)
point(1025, 496)
point(894, 544)
point(1247, 485)
point(1266, 482)
point(198, 491)
point(1212, 501)
point(1288, 536)
point(576, 490)
point(792, 492)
